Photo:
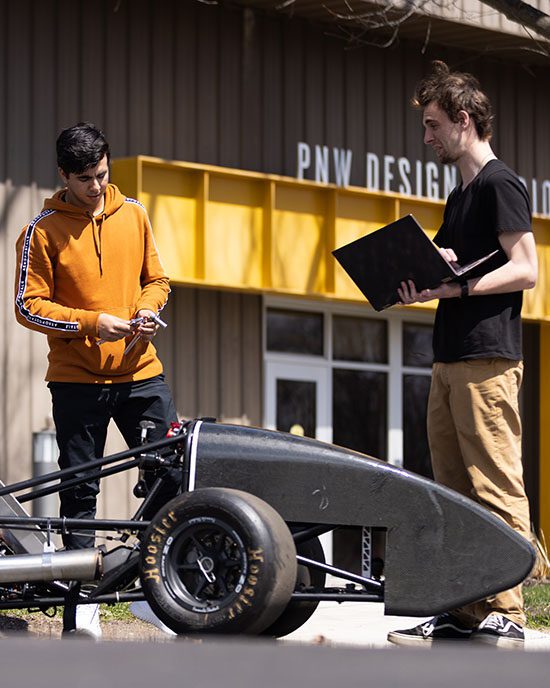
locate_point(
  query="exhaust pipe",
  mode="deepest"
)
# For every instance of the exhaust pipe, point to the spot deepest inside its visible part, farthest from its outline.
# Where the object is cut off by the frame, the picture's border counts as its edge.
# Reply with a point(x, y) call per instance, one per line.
point(77, 564)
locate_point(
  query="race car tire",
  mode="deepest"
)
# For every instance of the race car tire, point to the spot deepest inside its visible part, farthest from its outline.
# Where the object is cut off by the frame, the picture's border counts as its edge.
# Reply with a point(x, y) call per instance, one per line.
point(217, 561)
point(297, 612)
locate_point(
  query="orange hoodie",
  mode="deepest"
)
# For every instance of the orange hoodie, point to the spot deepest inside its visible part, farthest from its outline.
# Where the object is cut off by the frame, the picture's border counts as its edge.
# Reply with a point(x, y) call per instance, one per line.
point(72, 266)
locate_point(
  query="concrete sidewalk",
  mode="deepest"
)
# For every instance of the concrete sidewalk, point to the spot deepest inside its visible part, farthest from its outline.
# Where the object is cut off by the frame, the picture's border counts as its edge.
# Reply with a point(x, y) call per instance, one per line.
point(363, 624)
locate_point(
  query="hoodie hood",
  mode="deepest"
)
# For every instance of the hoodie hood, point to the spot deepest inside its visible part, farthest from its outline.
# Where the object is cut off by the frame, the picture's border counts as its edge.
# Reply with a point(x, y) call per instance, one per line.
point(113, 201)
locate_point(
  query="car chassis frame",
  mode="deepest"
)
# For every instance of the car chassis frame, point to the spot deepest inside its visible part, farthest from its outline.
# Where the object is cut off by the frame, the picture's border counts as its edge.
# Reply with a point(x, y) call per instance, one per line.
point(312, 487)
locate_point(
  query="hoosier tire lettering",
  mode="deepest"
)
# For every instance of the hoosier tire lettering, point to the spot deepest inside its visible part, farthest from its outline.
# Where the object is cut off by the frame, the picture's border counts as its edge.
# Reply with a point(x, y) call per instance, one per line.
point(151, 570)
point(217, 560)
point(248, 592)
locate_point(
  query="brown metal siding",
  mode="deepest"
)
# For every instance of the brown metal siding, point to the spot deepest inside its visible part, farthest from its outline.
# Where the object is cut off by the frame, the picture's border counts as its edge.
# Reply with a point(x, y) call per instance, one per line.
point(212, 354)
point(227, 86)
point(185, 80)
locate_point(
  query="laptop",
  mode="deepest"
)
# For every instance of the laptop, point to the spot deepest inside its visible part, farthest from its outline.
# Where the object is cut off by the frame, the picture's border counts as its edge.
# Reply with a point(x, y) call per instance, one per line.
point(381, 260)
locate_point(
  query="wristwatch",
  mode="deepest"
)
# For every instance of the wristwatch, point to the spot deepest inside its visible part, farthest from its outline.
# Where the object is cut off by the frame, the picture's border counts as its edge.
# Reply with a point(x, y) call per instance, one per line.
point(464, 288)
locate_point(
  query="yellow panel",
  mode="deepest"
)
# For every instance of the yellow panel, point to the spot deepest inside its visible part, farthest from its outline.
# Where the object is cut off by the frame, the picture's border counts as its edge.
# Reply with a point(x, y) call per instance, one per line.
point(536, 302)
point(243, 230)
point(245, 192)
point(169, 180)
point(428, 213)
point(297, 258)
point(171, 196)
point(174, 221)
point(298, 262)
point(362, 207)
point(233, 232)
point(301, 199)
point(234, 245)
point(541, 229)
point(125, 173)
point(544, 466)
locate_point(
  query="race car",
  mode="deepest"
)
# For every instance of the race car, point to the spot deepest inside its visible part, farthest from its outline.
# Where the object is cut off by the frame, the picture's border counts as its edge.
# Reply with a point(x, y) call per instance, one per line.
point(238, 549)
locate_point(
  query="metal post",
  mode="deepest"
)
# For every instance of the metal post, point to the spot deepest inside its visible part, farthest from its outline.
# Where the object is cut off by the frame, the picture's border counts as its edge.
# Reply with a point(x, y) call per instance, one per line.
point(44, 460)
point(366, 552)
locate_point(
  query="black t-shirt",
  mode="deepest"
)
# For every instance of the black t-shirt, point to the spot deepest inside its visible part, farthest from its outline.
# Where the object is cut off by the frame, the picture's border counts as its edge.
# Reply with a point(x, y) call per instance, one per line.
point(487, 326)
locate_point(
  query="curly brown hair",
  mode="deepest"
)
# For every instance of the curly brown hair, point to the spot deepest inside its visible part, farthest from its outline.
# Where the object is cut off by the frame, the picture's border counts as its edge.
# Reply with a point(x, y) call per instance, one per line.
point(453, 92)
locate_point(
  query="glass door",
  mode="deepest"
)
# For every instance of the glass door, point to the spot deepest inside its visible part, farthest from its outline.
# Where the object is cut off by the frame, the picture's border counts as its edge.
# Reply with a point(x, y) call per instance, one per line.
point(296, 399)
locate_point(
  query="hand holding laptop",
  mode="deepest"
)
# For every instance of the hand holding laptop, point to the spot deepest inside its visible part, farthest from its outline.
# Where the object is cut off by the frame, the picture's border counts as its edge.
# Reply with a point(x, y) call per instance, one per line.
point(401, 253)
point(409, 295)
point(450, 257)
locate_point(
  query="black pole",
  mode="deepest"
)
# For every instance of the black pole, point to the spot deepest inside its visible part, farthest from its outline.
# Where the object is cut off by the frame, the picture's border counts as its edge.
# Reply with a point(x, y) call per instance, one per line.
point(340, 573)
point(67, 484)
point(309, 533)
point(19, 523)
point(33, 602)
point(89, 465)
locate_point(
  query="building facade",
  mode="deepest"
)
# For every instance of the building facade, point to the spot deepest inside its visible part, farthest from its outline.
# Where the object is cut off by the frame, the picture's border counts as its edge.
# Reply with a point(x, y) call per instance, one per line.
point(259, 140)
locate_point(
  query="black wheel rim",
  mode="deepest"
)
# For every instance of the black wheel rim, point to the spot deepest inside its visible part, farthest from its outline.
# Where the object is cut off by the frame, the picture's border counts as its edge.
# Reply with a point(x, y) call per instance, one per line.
point(205, 564)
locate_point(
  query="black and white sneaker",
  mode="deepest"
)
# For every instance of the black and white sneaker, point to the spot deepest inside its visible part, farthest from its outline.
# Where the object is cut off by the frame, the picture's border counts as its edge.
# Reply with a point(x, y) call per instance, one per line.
point(500, 631)
point(441, 628)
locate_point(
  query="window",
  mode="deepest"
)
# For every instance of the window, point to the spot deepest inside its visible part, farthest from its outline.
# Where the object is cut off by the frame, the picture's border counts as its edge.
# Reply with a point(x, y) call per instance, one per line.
point(359, 411)
point(417, 353)
point(417, 345)
point(377, 372)
point(296, 406)
point(416, 452)
point(295, 332)
point(359, 339)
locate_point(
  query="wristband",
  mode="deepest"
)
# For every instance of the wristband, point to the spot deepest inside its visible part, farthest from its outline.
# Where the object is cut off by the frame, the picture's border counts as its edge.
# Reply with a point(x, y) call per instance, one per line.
point(464, 288)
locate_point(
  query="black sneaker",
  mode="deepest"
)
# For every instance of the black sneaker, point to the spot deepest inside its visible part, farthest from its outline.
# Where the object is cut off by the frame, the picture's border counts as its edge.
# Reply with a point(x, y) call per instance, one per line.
point(498, 630)
point(441, 628)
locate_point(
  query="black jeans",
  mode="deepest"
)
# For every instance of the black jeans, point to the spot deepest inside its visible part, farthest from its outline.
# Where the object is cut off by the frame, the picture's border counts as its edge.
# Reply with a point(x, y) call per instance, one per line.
point(82, 412)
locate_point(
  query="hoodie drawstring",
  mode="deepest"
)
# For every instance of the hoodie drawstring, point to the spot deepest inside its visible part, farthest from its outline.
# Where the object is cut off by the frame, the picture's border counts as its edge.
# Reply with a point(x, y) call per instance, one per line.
point(97, 224)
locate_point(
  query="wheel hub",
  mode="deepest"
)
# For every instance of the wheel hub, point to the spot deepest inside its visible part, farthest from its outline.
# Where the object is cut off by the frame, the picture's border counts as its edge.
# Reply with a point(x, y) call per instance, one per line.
point(206, 565)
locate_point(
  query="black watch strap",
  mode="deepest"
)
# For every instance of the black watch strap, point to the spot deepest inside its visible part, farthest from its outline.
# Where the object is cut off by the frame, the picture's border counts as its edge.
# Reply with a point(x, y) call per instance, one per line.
point(464, 288)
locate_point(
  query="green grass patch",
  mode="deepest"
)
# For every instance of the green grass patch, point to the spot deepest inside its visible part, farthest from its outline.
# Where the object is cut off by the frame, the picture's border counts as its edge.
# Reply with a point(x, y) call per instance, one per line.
point(107, 612)
point(537, 605)
point(116, 612)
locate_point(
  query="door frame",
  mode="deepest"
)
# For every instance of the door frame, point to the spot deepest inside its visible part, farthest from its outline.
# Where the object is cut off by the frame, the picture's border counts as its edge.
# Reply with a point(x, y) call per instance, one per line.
point(300, 371)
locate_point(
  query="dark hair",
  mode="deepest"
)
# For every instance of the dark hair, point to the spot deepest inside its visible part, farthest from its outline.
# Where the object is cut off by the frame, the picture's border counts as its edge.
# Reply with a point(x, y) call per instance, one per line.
point(453, 92)
point(80, 147)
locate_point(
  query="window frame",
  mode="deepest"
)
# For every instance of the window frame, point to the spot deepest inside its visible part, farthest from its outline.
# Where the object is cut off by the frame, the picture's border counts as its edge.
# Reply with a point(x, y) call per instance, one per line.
point(394, 369)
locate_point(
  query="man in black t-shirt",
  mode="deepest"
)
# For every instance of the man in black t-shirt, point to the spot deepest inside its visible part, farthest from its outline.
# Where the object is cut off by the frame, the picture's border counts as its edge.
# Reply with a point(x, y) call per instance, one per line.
point(474, 427)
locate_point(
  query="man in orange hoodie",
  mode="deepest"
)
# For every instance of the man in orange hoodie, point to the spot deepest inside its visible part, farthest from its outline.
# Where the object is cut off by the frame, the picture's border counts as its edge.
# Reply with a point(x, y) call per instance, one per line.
point(87, 268)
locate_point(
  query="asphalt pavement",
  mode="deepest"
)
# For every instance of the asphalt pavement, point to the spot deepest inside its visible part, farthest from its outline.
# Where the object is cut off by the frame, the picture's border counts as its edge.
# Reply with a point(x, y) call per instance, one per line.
point(258, 663)
point(340, 646)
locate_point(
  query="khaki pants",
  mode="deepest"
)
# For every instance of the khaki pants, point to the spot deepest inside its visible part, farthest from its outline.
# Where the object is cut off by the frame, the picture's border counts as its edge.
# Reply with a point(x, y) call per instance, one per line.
point(474, 432)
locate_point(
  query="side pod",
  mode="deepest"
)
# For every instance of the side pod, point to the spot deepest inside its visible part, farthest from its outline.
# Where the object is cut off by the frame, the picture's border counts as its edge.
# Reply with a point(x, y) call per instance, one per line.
point(442, 549)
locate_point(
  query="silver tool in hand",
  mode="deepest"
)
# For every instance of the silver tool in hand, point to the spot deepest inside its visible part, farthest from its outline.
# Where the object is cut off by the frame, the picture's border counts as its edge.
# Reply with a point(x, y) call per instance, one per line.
point(132, 343)
point(158, 321)
point(133, 323)
point(136, 321)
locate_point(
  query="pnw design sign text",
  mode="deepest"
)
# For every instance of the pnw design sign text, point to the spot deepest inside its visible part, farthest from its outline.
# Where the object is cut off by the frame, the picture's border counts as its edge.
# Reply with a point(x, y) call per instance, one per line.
point(388, 173)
